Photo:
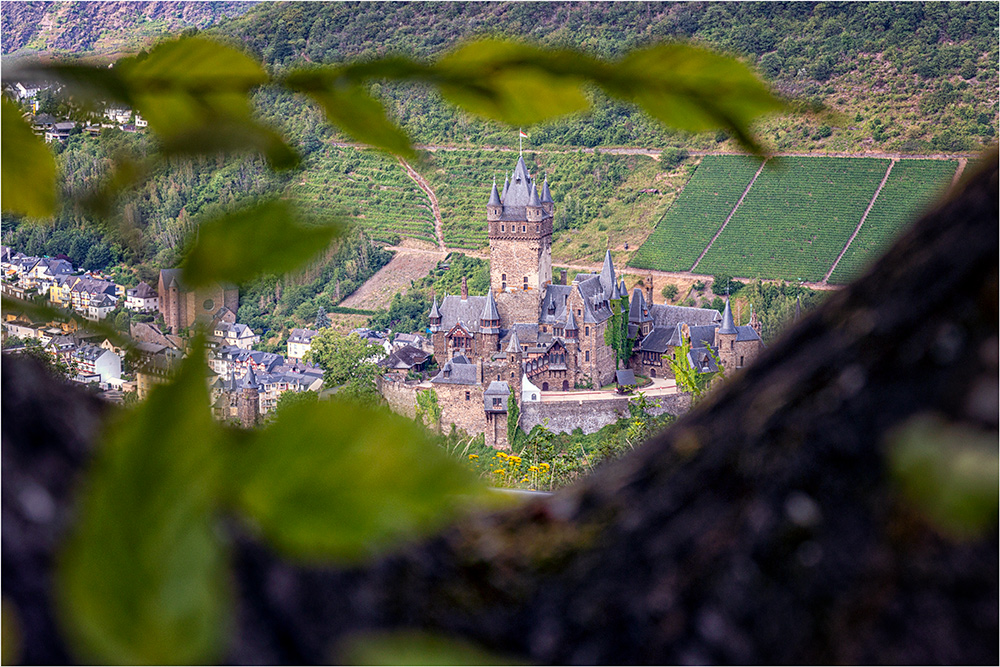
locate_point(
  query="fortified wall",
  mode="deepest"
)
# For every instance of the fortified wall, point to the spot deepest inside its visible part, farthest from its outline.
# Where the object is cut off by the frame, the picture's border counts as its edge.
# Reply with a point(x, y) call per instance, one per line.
point(401, 396)
point(592, 416)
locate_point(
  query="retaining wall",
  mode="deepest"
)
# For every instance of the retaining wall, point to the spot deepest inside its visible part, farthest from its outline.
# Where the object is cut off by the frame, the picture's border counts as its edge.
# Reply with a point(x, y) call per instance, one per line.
point(592, 416)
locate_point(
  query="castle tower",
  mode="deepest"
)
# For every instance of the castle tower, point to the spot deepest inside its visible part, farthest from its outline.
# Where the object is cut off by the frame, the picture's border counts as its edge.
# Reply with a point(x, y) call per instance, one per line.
point(248, 402)
point(520, 233)
point(489, 326)
point(725, 338)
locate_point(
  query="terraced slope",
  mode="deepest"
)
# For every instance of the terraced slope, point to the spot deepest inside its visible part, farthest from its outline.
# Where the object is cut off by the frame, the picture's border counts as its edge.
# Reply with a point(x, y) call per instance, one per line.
point(911, 187)
point(796, 218)
point(687, 227)
point(370, 189)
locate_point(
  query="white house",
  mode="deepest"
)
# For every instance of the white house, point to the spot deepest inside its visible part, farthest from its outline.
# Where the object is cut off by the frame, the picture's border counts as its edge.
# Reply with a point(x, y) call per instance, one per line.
point(300, 342)
point(99, 307)
point(93, 360)
point(238, 335)
point(142, 298)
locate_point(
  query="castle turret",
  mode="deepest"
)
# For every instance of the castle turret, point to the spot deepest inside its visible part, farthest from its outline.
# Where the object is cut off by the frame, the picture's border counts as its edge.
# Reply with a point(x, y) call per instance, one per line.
point(489, 326)
point(248, 402)
point(435, 317)
point(725, 338)
point(494, 209)
point(546, 198)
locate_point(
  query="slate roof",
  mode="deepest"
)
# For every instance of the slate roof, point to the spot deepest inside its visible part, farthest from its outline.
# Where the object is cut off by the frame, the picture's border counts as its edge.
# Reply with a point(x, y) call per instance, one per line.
point(553, 304)
point(595, 307)
point(249, 380)
point(625, 378)
point(458, 373)
point(142, 291)
point(702, 360)
point(454, 310)
point(746, 332)
point(608, 275)
point(490, 309)
point(638, 310)
point(497, 388)
point(546, 195)
point(405, 358)
point(303, 336)
point(494, 195)
point(670, 316)
point(727, 327)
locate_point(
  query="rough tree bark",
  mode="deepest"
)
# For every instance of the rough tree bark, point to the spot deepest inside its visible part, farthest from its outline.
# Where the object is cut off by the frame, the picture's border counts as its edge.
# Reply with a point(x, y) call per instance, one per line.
point(761, 528)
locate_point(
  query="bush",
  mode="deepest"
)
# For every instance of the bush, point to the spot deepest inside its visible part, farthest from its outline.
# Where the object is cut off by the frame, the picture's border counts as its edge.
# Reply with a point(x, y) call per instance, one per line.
point(669, 291)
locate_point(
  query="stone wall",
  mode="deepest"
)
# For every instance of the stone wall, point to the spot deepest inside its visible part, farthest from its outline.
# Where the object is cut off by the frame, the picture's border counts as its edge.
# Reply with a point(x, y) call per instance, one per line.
point(592, 416)
point(401, 396)
point(519, 306)
point(466, 414)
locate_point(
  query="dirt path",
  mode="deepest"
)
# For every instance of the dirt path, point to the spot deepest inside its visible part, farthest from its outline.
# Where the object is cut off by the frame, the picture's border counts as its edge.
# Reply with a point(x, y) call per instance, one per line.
point(407, 265)
point(426, 187)
point(729, 217)
point(864, 217)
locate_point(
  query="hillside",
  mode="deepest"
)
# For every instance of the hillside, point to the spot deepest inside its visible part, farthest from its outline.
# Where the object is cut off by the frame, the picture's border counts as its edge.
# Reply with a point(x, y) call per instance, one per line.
point(102, 28)
point(904, 77)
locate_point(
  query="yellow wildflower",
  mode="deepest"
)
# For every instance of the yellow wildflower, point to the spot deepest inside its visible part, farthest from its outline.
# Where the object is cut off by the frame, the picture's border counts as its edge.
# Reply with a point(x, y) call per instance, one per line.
point(499, 471)
point(533, 469)
point(545, 466)
point(473, 456)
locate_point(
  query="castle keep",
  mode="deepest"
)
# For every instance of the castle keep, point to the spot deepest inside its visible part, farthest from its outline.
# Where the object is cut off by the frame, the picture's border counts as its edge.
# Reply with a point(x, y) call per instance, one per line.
point(535, 335)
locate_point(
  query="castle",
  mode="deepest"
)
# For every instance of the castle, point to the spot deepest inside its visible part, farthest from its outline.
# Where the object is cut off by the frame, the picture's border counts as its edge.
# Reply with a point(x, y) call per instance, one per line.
point(534, 335)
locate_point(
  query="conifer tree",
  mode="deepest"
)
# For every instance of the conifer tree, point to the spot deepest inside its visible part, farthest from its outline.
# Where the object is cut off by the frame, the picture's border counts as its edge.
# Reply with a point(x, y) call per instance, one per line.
point(322, 319)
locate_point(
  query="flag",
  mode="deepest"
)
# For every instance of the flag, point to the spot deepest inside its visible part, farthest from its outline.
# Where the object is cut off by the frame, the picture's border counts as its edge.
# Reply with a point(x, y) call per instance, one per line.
point(523, 135)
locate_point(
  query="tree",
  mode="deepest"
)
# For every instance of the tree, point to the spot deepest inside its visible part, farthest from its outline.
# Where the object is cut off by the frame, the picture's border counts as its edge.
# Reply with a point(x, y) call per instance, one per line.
point(513, 420)
point(616, 333)
point(690, 379)
point(289, 398)
point(322, 320)
point(428, 411)
point(669, 291)
point(349, 364)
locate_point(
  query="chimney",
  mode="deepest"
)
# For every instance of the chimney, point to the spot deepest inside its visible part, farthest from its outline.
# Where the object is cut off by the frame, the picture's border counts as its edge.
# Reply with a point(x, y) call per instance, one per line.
point(465, 289)
point(649, 289)
point(479, 371)
point(562, 276)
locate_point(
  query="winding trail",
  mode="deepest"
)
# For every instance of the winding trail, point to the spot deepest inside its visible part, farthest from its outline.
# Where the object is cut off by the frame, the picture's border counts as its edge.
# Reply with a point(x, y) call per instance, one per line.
point(435, 209)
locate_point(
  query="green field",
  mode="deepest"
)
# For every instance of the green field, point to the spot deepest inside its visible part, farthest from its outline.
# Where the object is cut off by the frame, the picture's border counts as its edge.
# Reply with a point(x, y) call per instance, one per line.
point(687, 227)
point(912, 186)
point(368, 188)
point(796, 218)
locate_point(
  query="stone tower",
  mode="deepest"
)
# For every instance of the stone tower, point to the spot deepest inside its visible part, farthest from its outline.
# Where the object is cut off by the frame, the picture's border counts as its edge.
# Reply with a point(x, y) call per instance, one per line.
point(520, 233)
point(248, 401)
point(725, 339)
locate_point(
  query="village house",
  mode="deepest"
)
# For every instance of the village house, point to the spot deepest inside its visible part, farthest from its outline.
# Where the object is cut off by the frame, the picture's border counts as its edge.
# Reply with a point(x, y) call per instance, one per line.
point(300, 342)
point(142, 298)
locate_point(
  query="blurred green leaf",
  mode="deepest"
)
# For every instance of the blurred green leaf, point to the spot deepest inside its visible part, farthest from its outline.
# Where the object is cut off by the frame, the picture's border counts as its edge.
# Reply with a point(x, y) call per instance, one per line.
point(333, 479)
point(352, 109)
point(950, 472)
point(194, 93)
point(27, 167)
point(692, 89)
point(143, 578)
point(416, 648)
point(264, 238)
point(10, 633)
point(514, 83)
point(37, 312)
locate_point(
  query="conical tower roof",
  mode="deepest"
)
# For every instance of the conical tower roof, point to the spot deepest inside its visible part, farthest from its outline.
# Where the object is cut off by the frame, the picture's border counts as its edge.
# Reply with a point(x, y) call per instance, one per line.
point(546, 195)
point(514, 345)
point(521, 171)
point(622, 290)
point(533, 196)
point(570, 320)
point(494, 195)
point(506, 185)
point(435, 311)
point(490, 308)
point(608, 274)
point(249, 380)
point(728, 327)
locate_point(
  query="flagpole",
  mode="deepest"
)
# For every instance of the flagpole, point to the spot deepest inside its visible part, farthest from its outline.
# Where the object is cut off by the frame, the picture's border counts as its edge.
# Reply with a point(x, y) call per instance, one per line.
point(520, 143)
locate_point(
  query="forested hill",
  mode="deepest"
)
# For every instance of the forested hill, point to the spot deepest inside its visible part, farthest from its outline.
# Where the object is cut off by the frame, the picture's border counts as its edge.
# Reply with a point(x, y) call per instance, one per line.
point(102, 27)
point(907, 77)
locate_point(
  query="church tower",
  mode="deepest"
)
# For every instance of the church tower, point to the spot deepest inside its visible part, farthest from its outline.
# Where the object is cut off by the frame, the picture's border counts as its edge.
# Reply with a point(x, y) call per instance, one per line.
point(520, 233)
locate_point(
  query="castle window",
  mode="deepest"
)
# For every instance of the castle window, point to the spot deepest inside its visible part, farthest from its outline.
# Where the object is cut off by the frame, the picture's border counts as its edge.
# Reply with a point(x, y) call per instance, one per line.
point(468, 396)
point(586, 355)
point(537, 228)
point(503, 276)
point(586, 331)
point(741, 361)
point(208, 305)
point(497, 402)
point(524, 228)
point(732, 344)
point(543, 329)
point(526, 282)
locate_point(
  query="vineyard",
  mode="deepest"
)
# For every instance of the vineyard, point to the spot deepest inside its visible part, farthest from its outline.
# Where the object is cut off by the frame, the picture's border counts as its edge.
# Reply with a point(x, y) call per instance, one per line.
point(687, 227)
point(368, 188)
point(796, 218)
point(912, 185)
point(599, 198)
